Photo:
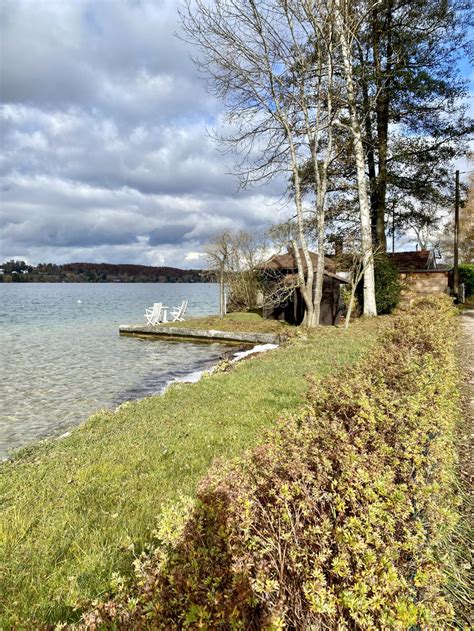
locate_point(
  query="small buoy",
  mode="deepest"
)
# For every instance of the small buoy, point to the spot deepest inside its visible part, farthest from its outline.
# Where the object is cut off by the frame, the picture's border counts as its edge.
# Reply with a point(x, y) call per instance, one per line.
point(79, 301)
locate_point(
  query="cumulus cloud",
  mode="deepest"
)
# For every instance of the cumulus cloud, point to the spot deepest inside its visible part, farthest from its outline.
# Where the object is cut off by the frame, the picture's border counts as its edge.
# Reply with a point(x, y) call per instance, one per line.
point(106, 155)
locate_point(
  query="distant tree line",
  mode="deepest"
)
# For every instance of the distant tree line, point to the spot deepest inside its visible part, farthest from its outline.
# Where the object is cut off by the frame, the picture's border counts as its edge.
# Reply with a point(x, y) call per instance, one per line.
point(19, 271)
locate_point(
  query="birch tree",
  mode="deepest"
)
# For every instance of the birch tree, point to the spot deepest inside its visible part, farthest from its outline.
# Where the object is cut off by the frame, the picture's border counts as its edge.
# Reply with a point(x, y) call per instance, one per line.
point(347, 27)
point(271, 64)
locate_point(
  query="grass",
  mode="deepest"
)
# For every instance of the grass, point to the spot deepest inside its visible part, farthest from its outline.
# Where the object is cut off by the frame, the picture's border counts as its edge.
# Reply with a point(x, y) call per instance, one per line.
point(242, 322)
point(78, 510)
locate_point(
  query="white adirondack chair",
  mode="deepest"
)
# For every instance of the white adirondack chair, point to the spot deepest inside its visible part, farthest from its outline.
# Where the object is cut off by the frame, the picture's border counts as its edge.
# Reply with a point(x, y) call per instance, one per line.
point(153, 314)
point(178, 312)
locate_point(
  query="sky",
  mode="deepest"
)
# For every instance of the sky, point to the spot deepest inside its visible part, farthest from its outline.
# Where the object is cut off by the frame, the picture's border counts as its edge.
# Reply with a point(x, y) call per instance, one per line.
point(106, 150)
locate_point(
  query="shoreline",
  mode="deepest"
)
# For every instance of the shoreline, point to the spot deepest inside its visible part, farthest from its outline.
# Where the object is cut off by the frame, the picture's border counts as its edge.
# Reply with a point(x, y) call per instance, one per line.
point(230, 356)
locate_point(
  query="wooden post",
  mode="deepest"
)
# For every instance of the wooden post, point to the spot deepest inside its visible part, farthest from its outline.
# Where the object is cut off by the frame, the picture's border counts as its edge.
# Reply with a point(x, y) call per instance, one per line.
point(456, 240)
point(222, 293)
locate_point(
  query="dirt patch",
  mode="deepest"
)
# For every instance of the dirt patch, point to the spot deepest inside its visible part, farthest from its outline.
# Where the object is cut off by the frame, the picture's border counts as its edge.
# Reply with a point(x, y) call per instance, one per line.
point(466, 434)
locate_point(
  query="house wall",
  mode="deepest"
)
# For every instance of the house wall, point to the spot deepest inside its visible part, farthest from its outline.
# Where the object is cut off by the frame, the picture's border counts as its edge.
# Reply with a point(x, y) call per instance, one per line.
point(331, 303)
point(424, 282)
point(293, 311)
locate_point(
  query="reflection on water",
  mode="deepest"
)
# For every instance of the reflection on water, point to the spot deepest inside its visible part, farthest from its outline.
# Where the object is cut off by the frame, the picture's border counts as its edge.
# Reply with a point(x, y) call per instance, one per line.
point(62, 358)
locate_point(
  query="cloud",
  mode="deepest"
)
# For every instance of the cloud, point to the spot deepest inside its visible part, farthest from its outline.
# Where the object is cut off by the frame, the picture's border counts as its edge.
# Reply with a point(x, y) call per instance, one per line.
point(169, 234)
point(42, 214)
point(119, 58)
point(106, 154)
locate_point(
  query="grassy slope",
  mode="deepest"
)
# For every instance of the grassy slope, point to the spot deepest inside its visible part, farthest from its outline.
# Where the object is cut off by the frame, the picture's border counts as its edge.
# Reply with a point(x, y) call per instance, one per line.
point(73, 508)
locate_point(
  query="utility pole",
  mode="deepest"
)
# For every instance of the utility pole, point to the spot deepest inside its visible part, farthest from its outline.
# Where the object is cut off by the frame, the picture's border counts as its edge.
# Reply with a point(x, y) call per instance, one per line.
point(393, 230)
point(456, 240)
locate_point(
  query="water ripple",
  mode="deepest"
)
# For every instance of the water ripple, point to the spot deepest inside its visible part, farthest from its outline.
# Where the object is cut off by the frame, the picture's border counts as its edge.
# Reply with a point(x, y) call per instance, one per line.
point(62, 360)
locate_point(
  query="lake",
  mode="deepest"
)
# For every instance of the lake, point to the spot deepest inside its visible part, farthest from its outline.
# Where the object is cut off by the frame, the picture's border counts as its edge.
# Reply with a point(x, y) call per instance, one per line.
point(62, 357)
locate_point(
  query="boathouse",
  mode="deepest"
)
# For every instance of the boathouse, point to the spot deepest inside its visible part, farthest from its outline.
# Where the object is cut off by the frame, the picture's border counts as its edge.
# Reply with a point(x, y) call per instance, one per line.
point(288, 305)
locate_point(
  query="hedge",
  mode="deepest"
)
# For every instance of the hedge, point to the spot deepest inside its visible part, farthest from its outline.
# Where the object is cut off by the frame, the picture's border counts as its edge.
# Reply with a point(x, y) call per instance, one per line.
point(339, 521)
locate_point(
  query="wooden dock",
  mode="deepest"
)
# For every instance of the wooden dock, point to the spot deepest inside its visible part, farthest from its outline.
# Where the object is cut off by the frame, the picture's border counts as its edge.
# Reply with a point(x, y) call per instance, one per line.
point(198, 335)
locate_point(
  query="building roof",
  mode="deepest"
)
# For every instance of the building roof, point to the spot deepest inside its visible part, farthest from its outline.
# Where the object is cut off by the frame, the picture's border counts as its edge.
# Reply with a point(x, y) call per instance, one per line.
point(287, 263)
point(413, 261)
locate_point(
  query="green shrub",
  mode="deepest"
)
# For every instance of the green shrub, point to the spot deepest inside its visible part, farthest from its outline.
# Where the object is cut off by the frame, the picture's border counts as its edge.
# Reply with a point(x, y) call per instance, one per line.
point(387, 286)
point(466, 275)
point(338, 521)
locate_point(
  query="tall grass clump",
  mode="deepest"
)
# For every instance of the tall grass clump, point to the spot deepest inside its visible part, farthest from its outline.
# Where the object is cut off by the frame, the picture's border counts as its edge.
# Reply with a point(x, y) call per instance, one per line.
point(339, 521)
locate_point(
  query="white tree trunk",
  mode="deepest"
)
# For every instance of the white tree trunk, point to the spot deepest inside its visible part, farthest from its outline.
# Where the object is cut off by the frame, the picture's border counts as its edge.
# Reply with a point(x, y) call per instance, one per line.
point(370, 308)
point(318, 289)
point(305, 283)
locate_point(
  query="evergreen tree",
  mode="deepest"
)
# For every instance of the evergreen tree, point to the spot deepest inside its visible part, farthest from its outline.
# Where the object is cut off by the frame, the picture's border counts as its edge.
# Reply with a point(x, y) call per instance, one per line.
point(412, 99)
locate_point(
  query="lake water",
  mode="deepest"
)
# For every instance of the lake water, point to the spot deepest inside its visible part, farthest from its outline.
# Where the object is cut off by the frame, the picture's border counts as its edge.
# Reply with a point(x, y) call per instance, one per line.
point(62, 357)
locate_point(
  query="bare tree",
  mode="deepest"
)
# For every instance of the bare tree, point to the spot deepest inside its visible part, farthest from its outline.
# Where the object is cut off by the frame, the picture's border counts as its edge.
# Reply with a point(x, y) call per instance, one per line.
point(425, 225)
point(271, 63)
point(249, 251)
point(218, 254)
point(234, 256)
point(466, 229)
point(319, 126)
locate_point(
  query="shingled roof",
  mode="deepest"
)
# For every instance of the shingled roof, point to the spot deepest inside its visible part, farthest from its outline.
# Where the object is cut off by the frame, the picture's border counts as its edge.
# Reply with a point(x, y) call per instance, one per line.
point(287, 263)
point(413, 261)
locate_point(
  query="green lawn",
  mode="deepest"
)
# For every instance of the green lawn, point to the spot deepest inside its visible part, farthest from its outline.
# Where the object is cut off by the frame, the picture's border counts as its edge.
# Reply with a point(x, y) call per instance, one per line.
point(75, 511)
point(246, 322)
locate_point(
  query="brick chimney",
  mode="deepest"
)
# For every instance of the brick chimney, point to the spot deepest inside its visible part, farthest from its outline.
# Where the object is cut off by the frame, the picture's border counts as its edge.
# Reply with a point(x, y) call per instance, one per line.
point(338, 246)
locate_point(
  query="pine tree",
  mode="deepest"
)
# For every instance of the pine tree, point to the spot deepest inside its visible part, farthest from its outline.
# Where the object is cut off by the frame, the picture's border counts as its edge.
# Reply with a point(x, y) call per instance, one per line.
point(411, 96)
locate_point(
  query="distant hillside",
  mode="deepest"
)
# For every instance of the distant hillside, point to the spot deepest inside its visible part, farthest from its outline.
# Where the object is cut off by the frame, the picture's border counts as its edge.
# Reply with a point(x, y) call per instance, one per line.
point(19, 271)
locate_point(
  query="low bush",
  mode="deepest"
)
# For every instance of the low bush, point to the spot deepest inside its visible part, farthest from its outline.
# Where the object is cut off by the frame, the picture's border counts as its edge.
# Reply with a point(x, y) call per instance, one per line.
point(466, 276)
point(339, 521)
